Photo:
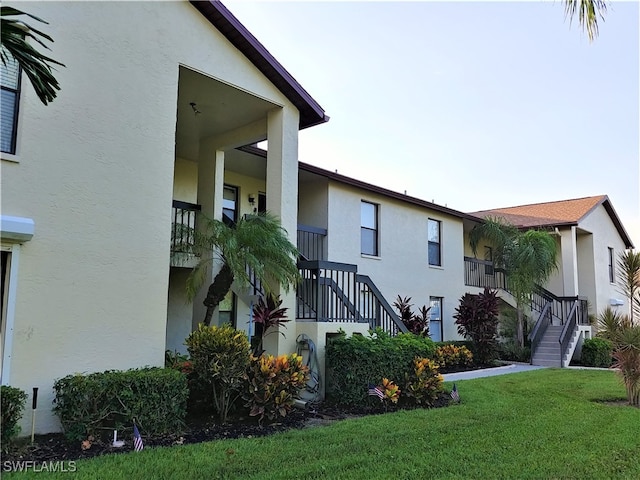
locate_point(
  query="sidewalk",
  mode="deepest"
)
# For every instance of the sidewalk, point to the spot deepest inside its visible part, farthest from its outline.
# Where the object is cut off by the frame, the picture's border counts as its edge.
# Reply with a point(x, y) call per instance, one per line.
point(490, 372)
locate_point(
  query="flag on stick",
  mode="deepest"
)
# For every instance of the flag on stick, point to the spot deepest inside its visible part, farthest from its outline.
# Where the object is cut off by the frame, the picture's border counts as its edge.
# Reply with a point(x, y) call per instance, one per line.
point(375, 391)
point(454, 393)
point(137, 439)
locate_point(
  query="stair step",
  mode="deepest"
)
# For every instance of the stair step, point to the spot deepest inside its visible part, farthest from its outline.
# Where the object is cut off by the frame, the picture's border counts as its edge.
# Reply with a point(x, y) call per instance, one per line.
point(548, 350)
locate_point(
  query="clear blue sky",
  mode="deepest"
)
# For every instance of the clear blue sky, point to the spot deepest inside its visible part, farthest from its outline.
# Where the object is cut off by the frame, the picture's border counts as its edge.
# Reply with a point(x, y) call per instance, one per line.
point(475, 105)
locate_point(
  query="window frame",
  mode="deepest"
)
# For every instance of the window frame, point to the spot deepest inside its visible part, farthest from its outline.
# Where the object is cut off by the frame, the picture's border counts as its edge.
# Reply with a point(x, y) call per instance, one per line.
point(375, 229)
point(16, 109)
point(438, 243)
point(612, 265)
point(439, 321)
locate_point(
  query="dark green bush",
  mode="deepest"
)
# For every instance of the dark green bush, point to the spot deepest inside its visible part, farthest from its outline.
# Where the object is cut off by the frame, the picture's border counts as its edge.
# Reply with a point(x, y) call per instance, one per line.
point(101, 402)
point(355, 362)
point(513, 352)
point(597, 352)
point(12, 405)
point(220, 357)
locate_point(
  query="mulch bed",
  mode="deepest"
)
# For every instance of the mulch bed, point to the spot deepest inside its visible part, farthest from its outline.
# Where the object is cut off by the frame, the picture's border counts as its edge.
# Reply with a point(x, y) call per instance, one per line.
point(54, 446)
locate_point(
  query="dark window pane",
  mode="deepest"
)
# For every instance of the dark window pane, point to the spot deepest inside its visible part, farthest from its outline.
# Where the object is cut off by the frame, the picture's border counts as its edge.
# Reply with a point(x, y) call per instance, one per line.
point(434, 254)
point(368, 242)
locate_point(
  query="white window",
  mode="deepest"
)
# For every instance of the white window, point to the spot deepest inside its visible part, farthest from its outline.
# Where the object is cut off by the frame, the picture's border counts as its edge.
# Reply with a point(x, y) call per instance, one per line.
point(369, 228)
point(435, 318)
point(435, 250)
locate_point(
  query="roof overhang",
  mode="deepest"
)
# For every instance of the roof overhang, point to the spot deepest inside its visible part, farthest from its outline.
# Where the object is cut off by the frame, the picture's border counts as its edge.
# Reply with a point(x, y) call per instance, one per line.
point(311, 113)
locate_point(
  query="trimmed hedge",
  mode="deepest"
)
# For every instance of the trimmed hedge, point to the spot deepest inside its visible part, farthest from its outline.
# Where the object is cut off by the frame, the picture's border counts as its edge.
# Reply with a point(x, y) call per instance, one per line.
point(597, 352)
point(12, 402)
point(101, 402)
point(355, 362)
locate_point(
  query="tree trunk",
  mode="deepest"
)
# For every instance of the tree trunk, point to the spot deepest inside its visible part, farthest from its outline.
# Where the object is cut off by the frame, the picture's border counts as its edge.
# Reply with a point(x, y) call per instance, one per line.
point(520, 327)
point(217, 291)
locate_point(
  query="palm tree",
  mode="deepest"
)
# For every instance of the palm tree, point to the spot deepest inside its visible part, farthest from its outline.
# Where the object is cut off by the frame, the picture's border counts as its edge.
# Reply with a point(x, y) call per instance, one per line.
point(256, 243)
point(588, 11)
point(629, 280)
point(15, 34)
point(528, 259)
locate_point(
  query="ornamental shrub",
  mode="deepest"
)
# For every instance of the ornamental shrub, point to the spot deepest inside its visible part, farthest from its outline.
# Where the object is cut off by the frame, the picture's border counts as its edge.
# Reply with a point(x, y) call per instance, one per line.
point(220, 357)
point(597, 352)
point(477, 320)
point(106, 401)
point(424, 383)
point(355, 362)
point(273, 384)
point(12, 406)
point(451, 357)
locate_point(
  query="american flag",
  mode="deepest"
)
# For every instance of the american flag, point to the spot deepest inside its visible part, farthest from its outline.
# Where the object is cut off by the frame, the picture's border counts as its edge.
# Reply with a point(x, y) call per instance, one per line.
point(375, 391)
point(137, 439)
point(454, 393)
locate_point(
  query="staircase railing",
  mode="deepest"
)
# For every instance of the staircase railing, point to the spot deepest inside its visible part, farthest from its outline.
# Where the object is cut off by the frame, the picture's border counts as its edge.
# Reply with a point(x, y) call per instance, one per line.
point(334, 292)
point(538, 330)
point(377, 310)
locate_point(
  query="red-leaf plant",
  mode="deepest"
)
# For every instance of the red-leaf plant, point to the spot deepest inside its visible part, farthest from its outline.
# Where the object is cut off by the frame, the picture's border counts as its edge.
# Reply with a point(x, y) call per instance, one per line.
point(268, 314)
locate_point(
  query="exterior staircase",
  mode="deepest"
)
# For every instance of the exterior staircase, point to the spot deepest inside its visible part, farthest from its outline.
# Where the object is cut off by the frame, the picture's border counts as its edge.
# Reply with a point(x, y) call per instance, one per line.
point(555, 335)
point(547, 353)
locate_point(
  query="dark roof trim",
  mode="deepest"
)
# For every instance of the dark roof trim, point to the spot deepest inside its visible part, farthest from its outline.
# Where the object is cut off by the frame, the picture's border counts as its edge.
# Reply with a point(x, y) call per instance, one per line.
point(383, 191)
point(608, 206)
point(311, 113)
point(365, 186)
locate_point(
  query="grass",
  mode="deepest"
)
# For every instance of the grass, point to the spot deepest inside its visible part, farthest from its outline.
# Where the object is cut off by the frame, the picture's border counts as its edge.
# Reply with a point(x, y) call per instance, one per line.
point(547, 423)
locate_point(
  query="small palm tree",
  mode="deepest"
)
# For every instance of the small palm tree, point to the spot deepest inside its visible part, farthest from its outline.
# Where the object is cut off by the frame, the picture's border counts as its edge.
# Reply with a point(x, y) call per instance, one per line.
point(629, 280)
point(256, 243)
point(15, 34)
point(528, 258)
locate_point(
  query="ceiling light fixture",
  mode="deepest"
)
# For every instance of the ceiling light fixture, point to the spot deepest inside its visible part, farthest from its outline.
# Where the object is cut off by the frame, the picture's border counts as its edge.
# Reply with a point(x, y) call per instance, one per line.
point(194, 108)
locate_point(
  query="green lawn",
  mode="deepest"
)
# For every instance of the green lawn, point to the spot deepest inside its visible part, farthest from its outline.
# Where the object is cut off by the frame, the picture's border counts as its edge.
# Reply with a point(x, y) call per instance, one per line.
point(539, 424)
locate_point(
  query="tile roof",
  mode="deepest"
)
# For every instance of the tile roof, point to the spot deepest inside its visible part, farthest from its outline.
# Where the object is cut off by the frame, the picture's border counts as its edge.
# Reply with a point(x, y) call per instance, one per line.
point(546, 214)
point(556, 214)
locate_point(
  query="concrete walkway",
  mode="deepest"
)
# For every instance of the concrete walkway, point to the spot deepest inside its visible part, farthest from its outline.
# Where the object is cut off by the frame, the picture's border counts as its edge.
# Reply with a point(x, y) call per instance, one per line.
point(490, 372)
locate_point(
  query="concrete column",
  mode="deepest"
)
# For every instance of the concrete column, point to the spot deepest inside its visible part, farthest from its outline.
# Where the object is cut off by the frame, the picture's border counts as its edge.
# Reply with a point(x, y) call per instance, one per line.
point(569, 256)
point(210, 190)
point(282, 201)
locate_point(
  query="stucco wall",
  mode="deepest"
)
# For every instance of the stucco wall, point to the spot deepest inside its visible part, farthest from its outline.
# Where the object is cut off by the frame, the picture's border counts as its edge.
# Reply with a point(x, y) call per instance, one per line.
point(313, 202)
point(402, 266)
point(95, 171)
point(185, 181)
point(604, 236)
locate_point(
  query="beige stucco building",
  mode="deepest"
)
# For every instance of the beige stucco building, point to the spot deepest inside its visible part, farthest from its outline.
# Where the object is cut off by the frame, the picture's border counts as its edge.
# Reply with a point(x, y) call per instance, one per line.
point(153, 96)
point(157, 123)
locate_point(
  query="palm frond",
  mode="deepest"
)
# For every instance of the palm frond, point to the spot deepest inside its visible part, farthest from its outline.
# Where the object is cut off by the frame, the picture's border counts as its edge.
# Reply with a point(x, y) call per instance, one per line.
point(589, 12)
point(15, 34)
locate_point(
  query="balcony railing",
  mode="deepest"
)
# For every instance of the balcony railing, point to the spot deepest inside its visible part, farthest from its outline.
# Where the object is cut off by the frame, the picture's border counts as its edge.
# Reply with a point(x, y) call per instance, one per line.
point(183, 224)
point(311, 242)
point(482, 273)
